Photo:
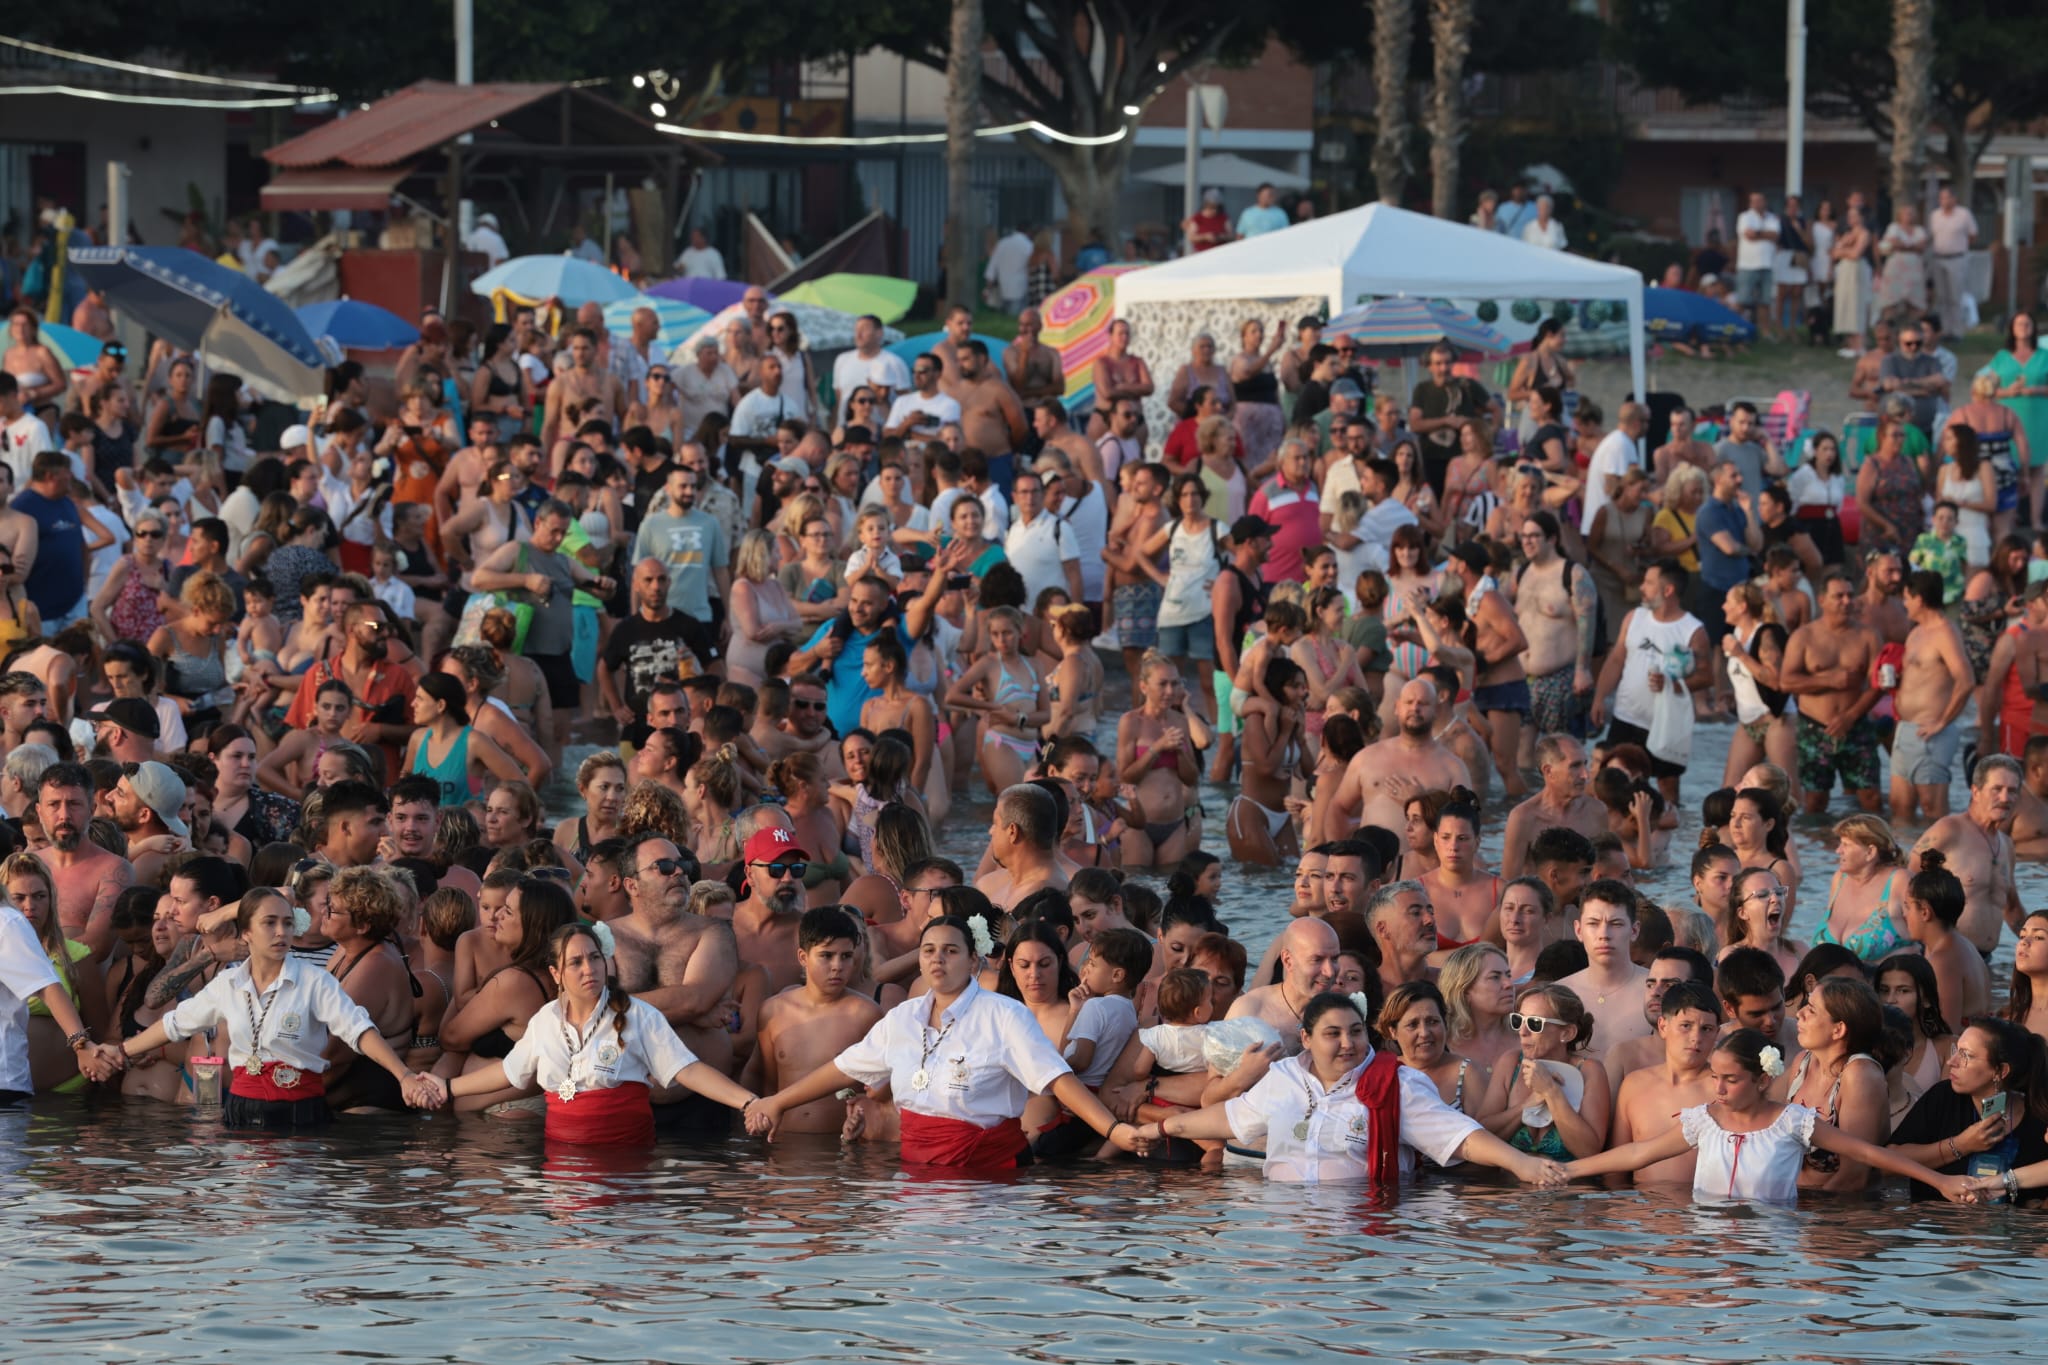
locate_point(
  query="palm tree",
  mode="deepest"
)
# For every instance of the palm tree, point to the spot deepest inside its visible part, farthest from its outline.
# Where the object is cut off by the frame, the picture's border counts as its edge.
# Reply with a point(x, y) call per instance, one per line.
point(963, 115)
point(1450, 28)
point(1912, 97)
point(1393, 28)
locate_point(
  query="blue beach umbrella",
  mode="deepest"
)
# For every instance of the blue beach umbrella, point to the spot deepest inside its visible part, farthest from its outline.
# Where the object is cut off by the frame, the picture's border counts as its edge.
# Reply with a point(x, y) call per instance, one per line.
point(230, 321)
point(571, 279)
point(358, 326)
point(1681, 315)
point(78, 350)
point(678, 320)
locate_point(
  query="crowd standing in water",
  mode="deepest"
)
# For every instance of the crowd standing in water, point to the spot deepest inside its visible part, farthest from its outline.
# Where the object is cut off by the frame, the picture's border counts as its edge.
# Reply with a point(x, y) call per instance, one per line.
point(274, 724)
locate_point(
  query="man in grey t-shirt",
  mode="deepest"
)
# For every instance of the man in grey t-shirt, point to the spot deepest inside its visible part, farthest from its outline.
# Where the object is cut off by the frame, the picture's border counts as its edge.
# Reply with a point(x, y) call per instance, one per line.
point(1910, 370)
point(1746, 447)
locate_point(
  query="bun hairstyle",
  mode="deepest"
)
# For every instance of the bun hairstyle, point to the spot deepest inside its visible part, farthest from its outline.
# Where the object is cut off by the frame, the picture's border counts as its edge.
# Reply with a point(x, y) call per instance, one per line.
point(1939, 889)
point(1322, 1003)
point(1075, 622)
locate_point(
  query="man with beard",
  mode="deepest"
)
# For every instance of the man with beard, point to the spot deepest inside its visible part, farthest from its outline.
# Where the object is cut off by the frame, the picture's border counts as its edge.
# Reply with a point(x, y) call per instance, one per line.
point(648, 647)
point(1032, 367)
point(920, 413)
point(840, 645)
point(682, 964)
point(1880, 606)
point(145, 805)
point(1403, 925)
point(791, 719)
point(383, 691)
point(24, 700)
point(991, 419)
point(1826, 668)
point(410, 829)
point(1561, 800)
point(691, 544)
point(771, 905)
point(89, 879)
point(1382, 776)
point(1024, 840)
point(1651, 1098)
point(1351, 868)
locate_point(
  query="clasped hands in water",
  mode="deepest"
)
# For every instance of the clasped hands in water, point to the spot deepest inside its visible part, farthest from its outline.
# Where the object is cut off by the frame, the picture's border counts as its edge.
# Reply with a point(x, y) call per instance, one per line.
point(424, 1090)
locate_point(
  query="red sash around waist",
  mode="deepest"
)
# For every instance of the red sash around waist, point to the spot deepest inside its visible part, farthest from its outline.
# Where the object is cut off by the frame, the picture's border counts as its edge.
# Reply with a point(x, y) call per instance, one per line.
point(306, 1085)
point(932, 1141)
point(618, 1116)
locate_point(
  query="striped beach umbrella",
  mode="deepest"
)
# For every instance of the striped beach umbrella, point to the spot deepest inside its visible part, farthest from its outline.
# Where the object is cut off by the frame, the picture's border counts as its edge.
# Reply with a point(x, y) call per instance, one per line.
point(678, 319)
point(1398, 328)
point(1077, 322)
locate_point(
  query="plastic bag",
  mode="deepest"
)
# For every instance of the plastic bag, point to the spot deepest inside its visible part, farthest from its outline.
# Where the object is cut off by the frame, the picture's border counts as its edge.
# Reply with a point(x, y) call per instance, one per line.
point(1671, 723)
point(1225, 1041)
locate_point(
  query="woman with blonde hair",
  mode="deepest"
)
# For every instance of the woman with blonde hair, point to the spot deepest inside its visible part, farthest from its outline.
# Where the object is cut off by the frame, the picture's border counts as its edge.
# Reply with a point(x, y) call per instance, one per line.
point(1255, 390)
point(33, 891)
point(711, 793)
point(1479, 993)
point(1014, 709)
point(1755, 649)
point(843, 477)
point(790, 521)
point(1076, 682)
point(512, 816)
point(1674, 531)
point(194, 649)
point(762, 613)
point(601, 781)
point(1867, 899)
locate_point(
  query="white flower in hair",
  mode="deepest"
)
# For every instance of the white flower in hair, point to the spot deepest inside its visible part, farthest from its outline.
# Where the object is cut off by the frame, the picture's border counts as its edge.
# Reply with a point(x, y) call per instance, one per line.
point(302, 922)
point(602, 932)
point(978, 926)
point(1772, 1061)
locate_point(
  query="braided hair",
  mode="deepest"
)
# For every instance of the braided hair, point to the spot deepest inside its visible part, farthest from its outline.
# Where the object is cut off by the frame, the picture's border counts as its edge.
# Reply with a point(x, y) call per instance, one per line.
point(619, 1000)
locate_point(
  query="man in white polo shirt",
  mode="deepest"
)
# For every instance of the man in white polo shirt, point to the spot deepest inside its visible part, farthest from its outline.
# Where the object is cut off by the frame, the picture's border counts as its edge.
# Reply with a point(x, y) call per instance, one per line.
point(1041, 546)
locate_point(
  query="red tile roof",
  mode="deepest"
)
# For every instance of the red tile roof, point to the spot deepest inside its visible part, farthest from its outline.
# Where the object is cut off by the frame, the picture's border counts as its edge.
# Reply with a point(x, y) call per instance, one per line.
point(401, 126)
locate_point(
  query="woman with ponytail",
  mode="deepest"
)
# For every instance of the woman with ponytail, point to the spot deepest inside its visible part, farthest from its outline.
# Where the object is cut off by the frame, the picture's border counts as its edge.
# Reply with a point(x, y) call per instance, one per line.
point(596, 1052)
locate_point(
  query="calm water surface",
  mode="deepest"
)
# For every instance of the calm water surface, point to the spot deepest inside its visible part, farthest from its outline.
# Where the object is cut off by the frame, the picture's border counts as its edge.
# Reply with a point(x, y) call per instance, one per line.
point(140, 1233)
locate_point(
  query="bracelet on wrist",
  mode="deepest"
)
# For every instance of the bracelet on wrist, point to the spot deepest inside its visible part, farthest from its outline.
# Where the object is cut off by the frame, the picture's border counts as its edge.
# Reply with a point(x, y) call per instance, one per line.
point(82, 1038)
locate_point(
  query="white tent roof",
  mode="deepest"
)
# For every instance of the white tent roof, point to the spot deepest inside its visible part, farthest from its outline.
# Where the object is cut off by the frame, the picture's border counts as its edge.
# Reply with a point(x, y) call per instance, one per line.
point(1380, 251)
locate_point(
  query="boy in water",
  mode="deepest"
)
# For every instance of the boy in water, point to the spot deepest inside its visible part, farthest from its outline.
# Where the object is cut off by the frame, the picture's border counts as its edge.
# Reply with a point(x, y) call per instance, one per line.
point(1650, 1098)
point(806, 1026)
point(1106, 1020)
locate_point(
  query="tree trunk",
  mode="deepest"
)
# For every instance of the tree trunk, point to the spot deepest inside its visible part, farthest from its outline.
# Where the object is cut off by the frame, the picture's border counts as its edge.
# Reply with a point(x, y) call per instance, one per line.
point(1393, 25)
point(963, 116)
point(1913, 60)
point(1091, 181)
point(1450, 27)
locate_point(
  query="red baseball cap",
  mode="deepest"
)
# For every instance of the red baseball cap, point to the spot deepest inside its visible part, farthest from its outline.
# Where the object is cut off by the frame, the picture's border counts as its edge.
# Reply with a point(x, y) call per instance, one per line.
point(770, 843)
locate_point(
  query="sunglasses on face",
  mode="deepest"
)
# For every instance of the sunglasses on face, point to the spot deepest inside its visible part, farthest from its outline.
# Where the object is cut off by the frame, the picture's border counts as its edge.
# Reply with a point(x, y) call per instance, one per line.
point(780, 871)
point(149, 535)
point(1533, 1022)
point(806, 706)
point(666, 867)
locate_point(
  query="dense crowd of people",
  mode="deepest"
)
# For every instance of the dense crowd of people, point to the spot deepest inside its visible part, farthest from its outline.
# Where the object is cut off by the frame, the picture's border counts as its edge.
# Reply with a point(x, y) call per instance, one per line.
point(277, 714)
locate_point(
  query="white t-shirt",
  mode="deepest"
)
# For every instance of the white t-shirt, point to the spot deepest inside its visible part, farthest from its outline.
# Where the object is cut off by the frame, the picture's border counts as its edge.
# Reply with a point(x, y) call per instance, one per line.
point(852, 369)
point(1040, 551)
point(935, 411)
point(1614, 456)
point(702, 263)
point(397, 595)
point(20, 442)
point(1342, 479)
point(1376, 528)
point(1549, 234)
point(489, 241)
point(24, 971)
point(1176, 1048)
point(1754, 255)
point(1009, 265)
point(1089, 521)
point(758, 414)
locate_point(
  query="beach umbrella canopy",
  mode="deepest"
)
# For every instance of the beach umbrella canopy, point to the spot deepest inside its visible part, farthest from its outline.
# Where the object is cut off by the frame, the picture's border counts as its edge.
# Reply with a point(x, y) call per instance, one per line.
point(823, 329)
point(571, 279)
point(1681, 315)
point(1077, 322)
point(910, 348)
point(885, 296)
point(78, 350)
point(358, 326)
point(713, 296)
point(678, 320)
point(222, 315)
point(1394, 329)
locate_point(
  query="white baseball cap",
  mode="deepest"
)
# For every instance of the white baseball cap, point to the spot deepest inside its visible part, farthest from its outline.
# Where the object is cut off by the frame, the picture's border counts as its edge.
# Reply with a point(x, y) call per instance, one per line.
point(296, 436)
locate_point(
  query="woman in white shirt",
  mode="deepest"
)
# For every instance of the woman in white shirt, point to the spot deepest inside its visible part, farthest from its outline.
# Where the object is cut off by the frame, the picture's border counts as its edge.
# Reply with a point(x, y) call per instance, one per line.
point(786, 343)
point(1342, 1110)
point(280, 1013)
point(961, 1062)
point(596, 1053)
point(1817, 488)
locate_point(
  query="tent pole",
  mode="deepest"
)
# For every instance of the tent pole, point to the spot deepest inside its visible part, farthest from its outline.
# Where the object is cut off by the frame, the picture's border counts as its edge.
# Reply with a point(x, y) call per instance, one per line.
point(1637, 352)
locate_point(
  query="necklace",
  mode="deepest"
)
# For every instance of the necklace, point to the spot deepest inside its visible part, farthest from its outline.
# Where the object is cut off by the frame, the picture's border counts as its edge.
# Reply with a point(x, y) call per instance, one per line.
point(921, 1079)
point(1314, 1100)
point(573, 1042)
point(254, 1066)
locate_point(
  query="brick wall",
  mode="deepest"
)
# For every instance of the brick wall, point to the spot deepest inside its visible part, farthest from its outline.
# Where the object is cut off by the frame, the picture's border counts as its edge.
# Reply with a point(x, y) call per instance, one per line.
point(1274, 92)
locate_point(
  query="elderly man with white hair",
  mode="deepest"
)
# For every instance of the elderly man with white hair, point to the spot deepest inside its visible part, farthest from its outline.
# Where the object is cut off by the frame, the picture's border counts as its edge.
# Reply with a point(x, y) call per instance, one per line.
point(1544, 230)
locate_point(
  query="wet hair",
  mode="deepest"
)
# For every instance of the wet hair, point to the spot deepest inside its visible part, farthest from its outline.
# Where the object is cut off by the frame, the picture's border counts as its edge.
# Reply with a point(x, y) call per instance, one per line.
point(1322, 1003)
point(1929, 1021)
point(825, 924)
point(1691, 995)
point(1565, 1001)
point(1181, 881)
point(1939, 889)
point(1746, 1045)
point(1037, 931)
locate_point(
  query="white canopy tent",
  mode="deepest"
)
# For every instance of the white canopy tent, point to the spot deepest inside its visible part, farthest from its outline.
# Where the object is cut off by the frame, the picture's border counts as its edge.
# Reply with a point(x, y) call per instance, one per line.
point(1380, 251)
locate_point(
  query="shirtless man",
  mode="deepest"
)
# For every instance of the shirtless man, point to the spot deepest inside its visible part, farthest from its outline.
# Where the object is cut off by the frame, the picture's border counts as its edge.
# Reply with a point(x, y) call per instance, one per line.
point(1308, 903)
point(1457, 726)
point(990, 417)
point(1049, 420)
point(2029, 828)
point(1879, 606)
point(959, 331)
point(682, 964)
point(1650, 1098)
point(1135, 595)
point(1024, 840)
point(1350, 871)
point(1403, 924)
point(466, 468)
point(804, 1028)
point(579, 383)
point(1561, 800)
point(1668, 966)
point(89, 879)
point(1382, 776)
point(1863, 378)
point(793, 721)
point(1612, 986)
point(1032, 367)
point(1976, 848)
point(1934, 687)
point(771, 905)
point(1827, 668)
point(1557, 607)
point(1501, 693)
point(1682, 448)
point(1308, 964)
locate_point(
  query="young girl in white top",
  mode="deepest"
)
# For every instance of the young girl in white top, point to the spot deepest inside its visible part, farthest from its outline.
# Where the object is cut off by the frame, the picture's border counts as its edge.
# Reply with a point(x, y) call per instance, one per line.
point(1751, 1147)
point(596, 1052)
point(961, 1062)
point(280, 1013)
point(1342, 1111)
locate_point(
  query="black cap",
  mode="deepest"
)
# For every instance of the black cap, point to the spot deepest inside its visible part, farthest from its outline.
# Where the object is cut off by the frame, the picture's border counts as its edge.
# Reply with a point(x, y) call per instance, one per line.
point(132, 714)
point(1247, 528)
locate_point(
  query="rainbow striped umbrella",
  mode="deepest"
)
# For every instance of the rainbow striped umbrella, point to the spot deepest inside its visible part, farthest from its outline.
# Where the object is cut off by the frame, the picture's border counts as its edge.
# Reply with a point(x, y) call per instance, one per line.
point(1394, 329)
point(1077, 322)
